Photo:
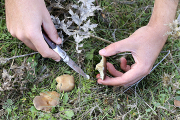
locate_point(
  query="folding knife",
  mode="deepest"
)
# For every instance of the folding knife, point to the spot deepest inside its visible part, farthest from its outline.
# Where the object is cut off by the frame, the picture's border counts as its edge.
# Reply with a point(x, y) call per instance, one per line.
point(64, 56)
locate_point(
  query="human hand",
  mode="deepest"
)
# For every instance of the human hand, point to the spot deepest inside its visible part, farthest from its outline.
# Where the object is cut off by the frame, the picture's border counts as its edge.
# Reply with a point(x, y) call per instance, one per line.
point(24, 19)
point(145, 45)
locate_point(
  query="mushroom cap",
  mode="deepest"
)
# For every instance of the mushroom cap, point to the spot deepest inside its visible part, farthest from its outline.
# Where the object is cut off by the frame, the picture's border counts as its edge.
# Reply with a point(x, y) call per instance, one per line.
point(46, 101)
point(51, 97)
point(177, 103)
point(102, 68)
point(65, 83)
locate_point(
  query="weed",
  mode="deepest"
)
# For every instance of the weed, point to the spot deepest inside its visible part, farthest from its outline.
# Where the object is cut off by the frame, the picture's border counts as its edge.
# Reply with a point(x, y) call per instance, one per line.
point(150, 99)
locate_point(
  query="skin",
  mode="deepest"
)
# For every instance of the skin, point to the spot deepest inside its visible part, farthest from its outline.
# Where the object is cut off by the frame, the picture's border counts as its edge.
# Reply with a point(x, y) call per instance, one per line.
point(24, 19)
point(145, 45)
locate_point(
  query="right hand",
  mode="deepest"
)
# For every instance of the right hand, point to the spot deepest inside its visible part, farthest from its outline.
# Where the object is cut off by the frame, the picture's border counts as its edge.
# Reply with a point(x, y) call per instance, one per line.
point(145, 45)
point(24, 19)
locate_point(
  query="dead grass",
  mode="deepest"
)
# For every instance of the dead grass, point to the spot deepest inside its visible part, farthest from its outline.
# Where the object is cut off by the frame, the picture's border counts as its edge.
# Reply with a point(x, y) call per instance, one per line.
point(149, 99)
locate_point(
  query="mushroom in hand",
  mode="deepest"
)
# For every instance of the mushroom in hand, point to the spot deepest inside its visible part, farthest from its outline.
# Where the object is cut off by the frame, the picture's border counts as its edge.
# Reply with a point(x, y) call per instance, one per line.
point(65, 83)
point(46, 101)
point(102, 68)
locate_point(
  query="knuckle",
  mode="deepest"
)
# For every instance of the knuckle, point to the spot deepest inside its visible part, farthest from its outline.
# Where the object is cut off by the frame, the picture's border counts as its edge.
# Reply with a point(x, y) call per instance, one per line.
point(30, 34)
point(11, 32)
point(20, 36)
point(17, 33)
point(45, 54)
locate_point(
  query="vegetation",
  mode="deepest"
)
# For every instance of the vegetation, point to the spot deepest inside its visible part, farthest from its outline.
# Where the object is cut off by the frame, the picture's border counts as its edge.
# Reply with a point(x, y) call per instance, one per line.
point(152, 98)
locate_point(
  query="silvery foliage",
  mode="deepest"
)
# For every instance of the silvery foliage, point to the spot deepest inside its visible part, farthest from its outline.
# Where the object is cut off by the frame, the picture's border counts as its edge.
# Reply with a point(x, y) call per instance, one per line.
point(174, 29)
point(79, 17)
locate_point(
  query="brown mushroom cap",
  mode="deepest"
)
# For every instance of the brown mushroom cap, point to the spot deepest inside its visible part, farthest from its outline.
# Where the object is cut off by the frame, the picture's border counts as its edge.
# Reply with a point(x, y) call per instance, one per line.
point(46, 101)
point(65, 83)
point(177, 103)
point(102, 68)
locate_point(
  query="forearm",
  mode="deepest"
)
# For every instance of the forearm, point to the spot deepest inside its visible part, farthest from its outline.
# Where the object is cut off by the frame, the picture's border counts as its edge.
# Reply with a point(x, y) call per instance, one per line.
point(163, 13)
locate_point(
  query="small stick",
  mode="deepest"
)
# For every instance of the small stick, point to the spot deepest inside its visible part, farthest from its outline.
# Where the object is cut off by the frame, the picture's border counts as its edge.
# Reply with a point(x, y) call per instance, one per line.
point(1, 47)
point(4, 60)
point(99, 38)
point(22, 55)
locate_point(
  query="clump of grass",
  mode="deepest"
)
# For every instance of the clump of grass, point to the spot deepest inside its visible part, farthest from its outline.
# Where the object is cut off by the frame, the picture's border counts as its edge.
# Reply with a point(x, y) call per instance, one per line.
point(89, 100)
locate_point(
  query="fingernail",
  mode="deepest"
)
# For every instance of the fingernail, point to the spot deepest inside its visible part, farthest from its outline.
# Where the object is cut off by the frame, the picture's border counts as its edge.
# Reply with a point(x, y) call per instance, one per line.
point(59, 40)
point(100, 83)
point(103, 51)
point(57, 60)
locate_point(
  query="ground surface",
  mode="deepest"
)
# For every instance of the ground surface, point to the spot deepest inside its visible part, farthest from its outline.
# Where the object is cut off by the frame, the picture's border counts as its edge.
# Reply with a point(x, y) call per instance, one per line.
point(152, 98)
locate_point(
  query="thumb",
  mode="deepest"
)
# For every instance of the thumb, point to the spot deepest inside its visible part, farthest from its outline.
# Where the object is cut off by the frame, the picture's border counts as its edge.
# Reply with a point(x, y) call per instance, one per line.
point(50, 29)
point(117, 47)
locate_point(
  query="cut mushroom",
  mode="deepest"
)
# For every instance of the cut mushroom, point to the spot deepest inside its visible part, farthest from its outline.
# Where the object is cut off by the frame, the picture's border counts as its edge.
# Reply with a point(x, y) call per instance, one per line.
point(46, 101)
point(102, 68)
point(65, 83)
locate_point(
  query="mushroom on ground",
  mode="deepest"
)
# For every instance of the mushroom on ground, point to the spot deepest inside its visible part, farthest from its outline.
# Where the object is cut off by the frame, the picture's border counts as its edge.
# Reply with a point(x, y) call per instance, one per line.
point(46, 101)
point(177, 103)
point(65, 83)
point(102, 68)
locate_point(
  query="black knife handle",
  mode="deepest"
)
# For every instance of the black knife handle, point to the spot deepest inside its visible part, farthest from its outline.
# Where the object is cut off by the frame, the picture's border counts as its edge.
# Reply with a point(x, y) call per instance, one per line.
point(48, 41)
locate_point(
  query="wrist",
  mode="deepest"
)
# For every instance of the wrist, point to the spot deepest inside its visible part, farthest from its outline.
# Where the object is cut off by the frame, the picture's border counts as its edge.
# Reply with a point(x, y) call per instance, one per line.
point(159, 32)
point(163, 14)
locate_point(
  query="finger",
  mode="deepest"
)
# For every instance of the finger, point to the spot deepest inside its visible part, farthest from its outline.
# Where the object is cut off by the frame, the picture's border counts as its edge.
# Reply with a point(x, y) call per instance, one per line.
point(124, 65)
point(117, 47)
point(130, 77)
point(50, 29)
point(98, 76)
point(113, 71)
point(42, 46)
point(25, 41)
point(29, 44)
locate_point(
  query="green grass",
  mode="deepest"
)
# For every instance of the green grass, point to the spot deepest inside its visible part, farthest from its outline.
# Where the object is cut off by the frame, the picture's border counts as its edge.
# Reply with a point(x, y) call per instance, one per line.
point(89, 100)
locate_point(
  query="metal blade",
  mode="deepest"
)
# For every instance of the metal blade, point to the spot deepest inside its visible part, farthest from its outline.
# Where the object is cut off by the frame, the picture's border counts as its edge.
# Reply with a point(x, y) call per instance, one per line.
point(64, 56)
point(75, 67)
point(69, 61)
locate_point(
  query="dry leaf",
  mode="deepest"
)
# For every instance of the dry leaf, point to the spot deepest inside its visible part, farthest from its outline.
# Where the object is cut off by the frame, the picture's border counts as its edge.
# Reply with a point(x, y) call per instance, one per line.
point(77, 24)
point(15, 80)
point(175, 86)
point(167, 79)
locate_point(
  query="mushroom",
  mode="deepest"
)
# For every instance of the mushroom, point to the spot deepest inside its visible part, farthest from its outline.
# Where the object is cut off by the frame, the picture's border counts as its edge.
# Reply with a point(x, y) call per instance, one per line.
point(102, 68)
point(46, 101)
point(177, 103)
point(65, 83)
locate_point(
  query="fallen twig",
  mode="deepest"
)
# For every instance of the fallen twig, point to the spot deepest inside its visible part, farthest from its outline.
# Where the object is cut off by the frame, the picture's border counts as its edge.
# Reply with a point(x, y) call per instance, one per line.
point(4, 60)
point(99, 38)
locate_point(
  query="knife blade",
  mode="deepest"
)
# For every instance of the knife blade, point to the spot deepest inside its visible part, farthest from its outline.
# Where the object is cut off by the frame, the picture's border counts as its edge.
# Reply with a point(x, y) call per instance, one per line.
point(64, 56)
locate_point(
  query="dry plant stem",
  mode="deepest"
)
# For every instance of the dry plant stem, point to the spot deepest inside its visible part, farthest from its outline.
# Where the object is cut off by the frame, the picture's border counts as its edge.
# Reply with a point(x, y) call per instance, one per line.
point(12, 62)
point(79, 86)
point(4, 60)
point(2, 112)
point(172, 61)
point(22, 55)
point(1, 47)
point(99, 38)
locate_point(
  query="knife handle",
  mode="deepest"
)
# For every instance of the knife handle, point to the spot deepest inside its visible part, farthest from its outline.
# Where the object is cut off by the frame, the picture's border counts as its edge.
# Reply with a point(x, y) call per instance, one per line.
point(48, 41)
point(55, 47)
